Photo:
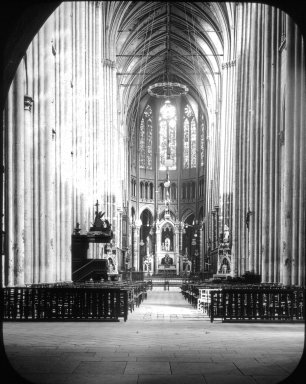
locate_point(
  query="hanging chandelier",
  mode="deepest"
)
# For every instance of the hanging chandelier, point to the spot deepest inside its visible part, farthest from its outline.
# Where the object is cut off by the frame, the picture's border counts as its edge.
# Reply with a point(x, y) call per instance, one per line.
point(167, 89)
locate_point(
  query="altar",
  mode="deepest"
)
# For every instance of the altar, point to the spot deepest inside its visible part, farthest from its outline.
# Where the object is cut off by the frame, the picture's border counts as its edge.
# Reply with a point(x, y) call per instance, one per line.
point(167, 263)
point(171, 271)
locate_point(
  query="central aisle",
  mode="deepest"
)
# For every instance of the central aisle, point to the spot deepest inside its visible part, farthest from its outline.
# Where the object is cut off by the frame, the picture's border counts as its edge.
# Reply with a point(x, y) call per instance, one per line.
point(165, 305)
point(164, 341)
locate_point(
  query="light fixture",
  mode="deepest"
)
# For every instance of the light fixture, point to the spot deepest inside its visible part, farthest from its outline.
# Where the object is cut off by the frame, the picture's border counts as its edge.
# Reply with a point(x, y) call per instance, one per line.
point(167, 90)
point(167, 183)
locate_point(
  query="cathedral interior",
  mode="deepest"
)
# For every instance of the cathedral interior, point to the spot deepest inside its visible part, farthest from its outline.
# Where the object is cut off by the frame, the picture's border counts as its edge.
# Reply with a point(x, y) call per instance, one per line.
point(182, 124)
point(153, 146)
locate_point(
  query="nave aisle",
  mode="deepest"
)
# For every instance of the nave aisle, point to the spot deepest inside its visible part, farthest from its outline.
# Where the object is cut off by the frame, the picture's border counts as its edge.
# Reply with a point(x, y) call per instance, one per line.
point(163, 341)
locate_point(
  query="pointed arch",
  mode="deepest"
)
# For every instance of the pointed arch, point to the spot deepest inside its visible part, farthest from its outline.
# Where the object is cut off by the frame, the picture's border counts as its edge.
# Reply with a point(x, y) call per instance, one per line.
point(190, 138)
point(146, 139)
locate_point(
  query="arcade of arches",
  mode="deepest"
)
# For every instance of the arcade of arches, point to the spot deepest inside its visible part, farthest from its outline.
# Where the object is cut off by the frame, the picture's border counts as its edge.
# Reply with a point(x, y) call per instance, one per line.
point(185, 121)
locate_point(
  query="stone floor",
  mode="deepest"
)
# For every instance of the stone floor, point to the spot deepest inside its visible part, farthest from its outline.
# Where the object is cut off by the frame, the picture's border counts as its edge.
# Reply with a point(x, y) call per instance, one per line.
point(165, 340)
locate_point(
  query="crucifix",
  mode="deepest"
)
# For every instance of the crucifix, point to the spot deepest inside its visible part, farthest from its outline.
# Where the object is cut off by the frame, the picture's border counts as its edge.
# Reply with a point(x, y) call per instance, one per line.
point(97, 205)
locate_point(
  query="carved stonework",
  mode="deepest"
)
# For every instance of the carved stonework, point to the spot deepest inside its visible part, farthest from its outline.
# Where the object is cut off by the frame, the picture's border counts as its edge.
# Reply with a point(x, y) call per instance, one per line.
point(28, 102)
point(173, 209)
point(109, 63)
point(224, 264)
point(229, 64)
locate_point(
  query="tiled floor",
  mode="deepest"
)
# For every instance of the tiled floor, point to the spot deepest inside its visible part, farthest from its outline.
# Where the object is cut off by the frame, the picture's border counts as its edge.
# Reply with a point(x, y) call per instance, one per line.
point(165, 340)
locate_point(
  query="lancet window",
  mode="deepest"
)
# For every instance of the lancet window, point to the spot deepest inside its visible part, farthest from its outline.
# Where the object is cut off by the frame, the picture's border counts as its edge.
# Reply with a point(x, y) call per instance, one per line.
point(145, 139)
point(190, 138)
point(133, 151)
point(202, 142)
point(167, 134)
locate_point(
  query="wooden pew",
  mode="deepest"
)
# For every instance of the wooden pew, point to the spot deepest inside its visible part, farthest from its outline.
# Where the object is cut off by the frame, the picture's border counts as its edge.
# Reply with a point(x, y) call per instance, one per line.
point(247, 303)
point(87, 301)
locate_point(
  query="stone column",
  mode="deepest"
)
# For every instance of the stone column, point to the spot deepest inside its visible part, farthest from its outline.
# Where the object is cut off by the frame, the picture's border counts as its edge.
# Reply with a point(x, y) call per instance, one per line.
point(257, 113)
point(244, 155)
point(236, 149)
point(273, 137)
point(181, 229)
point(296, 156)
point(41, 158)
point(68, 148)
point(136, 246)
point(28, 197)
point(287, 188)
point(9, 263)
point(158, 247)
point(252, 164)
point(302, 178)
point(18, 191)
point(176, 249)
point(266, 144)
point(36, 162)
point(277, 154)
point(82, 195)
point(58, 140)
point(47, 142)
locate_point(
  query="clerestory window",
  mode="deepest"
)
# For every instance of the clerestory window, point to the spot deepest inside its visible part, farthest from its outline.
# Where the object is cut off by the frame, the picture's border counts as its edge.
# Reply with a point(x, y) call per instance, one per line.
point(190, 138)
point(145, 139)
point(167, 135)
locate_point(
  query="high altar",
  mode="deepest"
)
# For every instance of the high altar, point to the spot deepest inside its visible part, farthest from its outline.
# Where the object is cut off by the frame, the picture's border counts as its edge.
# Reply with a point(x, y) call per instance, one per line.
point(167, 259)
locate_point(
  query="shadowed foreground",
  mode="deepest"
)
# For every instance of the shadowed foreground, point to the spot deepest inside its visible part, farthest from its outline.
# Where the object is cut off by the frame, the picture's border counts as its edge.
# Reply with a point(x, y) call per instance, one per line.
point(165, 340)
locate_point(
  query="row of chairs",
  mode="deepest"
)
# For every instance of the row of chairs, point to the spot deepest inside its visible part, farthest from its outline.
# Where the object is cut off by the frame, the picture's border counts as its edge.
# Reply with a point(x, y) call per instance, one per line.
point(73, 301)
point(247, 302)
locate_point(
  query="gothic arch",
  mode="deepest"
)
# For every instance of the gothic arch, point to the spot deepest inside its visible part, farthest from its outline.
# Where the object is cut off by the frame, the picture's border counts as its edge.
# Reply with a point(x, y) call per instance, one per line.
point(146, 208)
point(187, 212)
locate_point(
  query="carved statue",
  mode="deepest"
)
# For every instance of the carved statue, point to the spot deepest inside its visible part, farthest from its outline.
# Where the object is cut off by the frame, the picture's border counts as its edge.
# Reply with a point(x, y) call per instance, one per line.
point(167, 260)
point(167, 244)
point(100, 224)
point(98, 220)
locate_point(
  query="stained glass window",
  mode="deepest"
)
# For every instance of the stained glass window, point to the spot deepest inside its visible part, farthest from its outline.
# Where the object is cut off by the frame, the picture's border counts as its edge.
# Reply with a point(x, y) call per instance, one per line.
point(162, 143)
point(145, 139)
point(186, 143)
point(190, 138)
point(133, 146)
point(149, 142)
point(202, 143)
point(188, 111)
point(193, 144)
point(167, 134)
point(142, 144)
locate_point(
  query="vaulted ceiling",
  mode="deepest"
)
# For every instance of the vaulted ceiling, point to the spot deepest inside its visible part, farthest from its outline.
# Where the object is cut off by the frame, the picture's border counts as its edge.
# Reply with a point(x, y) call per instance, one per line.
point(184, 42)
